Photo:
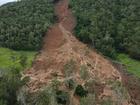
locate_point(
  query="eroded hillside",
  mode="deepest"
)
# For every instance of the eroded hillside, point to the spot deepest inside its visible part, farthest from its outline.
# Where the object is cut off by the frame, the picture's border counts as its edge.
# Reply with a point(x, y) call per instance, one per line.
point(65, 59)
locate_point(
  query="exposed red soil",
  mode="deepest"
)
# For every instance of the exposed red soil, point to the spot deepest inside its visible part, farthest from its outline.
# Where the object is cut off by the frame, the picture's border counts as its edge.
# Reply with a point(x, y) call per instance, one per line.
point(59, 47)
point(53, 39)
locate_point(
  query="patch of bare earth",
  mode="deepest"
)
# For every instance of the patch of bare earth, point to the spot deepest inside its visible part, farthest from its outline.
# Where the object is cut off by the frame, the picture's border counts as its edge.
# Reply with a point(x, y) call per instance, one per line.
point(60, 46)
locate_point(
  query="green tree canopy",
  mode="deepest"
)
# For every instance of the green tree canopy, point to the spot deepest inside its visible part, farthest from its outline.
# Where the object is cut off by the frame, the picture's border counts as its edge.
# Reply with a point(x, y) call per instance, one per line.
point(109, 25)
point(24, 23)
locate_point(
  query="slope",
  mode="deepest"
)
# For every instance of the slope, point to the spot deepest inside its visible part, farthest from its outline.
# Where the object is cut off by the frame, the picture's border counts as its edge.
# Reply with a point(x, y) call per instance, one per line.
point(24, 23)
point(63, 57)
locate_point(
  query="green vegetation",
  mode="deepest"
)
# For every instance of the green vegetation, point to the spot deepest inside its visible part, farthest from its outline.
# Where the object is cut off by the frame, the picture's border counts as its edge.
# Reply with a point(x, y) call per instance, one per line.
point(107, 102)
point(132, 65)
point(110, 26)
point(89, 100)
point(24, 23)
point(80, 91)
point(9, 58)
point(47, 96)
point(90, 86)
point(120, 91)
point(51, 95)
point(62, 97)
point(84, 72)
point(69, 68)
point(11, 64)
point(70, 83)
point(10, 83)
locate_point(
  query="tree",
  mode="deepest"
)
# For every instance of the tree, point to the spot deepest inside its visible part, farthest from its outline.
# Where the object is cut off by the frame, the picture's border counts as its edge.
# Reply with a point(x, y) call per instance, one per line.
point(110, 26)
point(10, 82)
point(80, 91)
point(26, 29)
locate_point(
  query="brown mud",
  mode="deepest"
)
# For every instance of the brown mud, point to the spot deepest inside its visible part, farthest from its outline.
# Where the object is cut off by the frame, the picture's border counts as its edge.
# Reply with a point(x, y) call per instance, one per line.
point(59, 47)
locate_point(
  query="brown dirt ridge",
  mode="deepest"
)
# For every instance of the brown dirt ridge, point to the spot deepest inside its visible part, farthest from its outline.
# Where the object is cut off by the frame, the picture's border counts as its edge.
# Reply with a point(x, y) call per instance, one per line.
point(59, 47)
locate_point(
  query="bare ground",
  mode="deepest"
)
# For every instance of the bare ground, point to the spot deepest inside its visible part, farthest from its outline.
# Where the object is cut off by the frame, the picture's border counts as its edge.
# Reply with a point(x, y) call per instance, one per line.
point(60, 46)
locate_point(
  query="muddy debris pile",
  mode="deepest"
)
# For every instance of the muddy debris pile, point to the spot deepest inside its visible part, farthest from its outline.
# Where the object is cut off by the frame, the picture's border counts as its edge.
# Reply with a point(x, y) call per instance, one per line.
point(75, 66)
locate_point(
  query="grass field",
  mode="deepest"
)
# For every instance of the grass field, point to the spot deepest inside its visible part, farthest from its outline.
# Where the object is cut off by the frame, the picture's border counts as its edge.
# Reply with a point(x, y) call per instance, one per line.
point(133, 66)
point(10, 58)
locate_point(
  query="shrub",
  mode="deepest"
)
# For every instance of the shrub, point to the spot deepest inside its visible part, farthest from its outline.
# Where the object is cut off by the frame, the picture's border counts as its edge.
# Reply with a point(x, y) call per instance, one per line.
point(134, 52)
point(80, 91)
point(90, 85)
point(108, 102)
point(120, 91)
point(62, 97)
point(55, 84)
point(23, 60)
point(2, 102)
point(49, 96)
point(45, 97)
point(89, 100)
point(69, 68)
point(10, 82)
point(22, 96)
point(70, 83)
point(84, 72)
point(56, 1)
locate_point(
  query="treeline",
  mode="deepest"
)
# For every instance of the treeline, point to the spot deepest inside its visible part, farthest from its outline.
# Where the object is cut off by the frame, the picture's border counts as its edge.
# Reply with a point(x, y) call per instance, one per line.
point(24, 23)
point(111, 26)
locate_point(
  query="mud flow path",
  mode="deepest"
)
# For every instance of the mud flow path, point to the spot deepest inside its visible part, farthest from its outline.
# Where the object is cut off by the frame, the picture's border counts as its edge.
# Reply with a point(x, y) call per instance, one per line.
point(60, 47)
point(66, 22)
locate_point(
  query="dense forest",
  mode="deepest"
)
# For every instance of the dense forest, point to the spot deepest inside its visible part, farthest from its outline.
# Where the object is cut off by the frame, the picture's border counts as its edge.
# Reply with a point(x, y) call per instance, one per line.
point(24, 23)
point(110, 26)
